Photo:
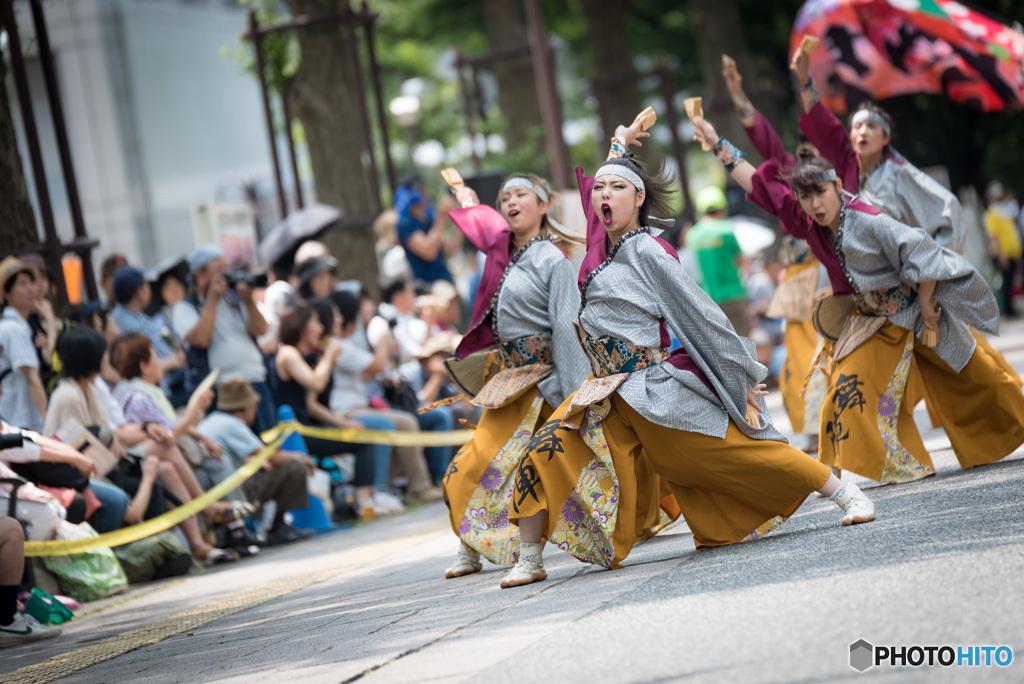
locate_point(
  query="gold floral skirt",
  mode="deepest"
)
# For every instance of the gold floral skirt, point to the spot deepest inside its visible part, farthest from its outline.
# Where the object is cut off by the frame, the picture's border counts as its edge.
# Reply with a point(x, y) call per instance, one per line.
point(479, 481)
point(602, 485)
point(867, 424)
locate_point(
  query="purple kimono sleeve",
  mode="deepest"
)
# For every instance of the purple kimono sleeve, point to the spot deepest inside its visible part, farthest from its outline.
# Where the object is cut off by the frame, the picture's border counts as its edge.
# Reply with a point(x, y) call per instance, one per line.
point(480, 224)
point(775, 197)
point(768, 143)
point(825, 131)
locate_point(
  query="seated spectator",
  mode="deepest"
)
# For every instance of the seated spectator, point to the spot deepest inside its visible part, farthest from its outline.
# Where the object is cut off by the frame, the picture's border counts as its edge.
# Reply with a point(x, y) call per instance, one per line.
point(422, 232)
point(353, 368)
point(277, 298)
point(39, 511)
point(108, 268)
point(170, 288)
point(16, 628)
point(391, 260)
point(383, 502)
point(309, 249)
point(133, 294)
point(397, 315)
point(81, 351)
point(450, 316)
point(44, 324)
point(58, 470)
point(220, 327)
point(317, 277)
point(302, 370)
point(282, 480)
point(24, 396)
point(433, 383)
point(144, 403)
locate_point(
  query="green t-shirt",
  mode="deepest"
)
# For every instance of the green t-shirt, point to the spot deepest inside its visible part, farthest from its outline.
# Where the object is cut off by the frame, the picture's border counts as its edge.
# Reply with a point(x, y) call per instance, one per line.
point(716, 249)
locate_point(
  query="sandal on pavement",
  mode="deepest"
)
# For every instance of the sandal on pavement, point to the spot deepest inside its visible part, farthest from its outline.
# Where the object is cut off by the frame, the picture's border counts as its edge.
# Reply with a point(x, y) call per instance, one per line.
point(230, 511)
point(858, 508)
point(211, 555)
point(528, 569)
point(466, 563)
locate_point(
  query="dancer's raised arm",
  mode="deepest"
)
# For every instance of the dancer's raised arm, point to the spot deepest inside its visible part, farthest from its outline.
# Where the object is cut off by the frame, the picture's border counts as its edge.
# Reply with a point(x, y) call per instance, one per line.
point(763, 137)
point(823, 129)
point(763, 184)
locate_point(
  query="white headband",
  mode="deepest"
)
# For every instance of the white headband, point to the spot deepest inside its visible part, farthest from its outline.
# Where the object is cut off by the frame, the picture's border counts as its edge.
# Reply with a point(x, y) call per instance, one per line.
point(868, 115)
point(622, 172)
point(519, 182)
point(826, 176)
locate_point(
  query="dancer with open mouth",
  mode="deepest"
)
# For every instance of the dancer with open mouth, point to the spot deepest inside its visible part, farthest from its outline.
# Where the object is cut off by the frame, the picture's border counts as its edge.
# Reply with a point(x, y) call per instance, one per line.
point(693, 415)
point(901, 298)
point(878, 175)
point(518, 361)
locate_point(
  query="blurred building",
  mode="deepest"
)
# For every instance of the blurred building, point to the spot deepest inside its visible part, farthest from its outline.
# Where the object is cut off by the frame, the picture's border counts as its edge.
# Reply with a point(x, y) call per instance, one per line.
point(159, 121)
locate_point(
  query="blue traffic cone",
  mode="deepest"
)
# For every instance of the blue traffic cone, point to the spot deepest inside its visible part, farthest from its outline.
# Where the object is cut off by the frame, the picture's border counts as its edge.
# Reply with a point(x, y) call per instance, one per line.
point(285, 414)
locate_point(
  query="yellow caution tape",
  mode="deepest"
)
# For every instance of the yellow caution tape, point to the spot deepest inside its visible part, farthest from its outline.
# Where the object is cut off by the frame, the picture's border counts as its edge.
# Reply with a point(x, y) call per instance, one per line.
point(392, 438)
point(163, 522)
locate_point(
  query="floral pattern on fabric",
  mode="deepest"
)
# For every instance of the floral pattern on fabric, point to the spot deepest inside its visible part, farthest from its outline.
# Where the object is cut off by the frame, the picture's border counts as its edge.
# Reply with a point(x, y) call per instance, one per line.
point(765, 528)
point(485, 526)
point(900, 465)
point(795, 250)
point(611, 355)
point(526, 351)
point(815, 393)
point(888, 302)
point(586, 522)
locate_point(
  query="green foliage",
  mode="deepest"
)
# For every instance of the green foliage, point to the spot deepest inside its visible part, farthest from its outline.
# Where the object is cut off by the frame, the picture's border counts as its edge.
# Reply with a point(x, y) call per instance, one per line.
point(417, 39)
point(280, 49)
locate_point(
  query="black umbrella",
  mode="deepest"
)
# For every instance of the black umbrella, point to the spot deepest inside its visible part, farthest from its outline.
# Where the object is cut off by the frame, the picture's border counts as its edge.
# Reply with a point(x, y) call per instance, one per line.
point(298, 227)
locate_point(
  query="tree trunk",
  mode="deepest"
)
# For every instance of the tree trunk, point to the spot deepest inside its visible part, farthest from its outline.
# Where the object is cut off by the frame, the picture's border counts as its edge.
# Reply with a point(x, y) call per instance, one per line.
point(17, 219)
point(718, 29)
point(327, 101)
point(612, 80)
point(517, 91)
point(614, 86)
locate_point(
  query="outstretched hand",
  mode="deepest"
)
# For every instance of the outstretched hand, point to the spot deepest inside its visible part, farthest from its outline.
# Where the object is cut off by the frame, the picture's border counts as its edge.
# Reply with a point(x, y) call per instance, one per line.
point(930, 312)
point(705, 132)
point(733, 81)
point(752, 395)
point(801, 64)
point(466, 197)
point(633, 134)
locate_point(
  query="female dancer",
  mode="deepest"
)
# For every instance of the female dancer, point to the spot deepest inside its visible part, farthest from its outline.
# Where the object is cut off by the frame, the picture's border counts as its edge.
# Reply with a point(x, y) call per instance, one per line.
point(886, 181)
point(901, 280)
point(684, 414)
point(520, 327)
point(803, 389)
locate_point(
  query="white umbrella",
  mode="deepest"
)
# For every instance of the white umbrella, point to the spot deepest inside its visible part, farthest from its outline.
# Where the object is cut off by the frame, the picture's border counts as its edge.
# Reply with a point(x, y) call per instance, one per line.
point(753, 235)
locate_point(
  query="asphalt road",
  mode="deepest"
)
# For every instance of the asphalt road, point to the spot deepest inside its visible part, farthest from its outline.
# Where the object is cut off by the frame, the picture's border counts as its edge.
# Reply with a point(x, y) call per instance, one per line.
point(941, 566)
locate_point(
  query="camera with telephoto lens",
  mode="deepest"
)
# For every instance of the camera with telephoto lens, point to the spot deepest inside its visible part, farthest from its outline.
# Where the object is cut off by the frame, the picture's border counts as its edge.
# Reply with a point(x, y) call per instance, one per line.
point(254, 279)
point(11, 440)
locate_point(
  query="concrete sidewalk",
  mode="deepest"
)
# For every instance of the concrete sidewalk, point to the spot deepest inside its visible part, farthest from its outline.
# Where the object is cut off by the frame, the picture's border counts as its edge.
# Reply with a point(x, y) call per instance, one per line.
point(940, 566)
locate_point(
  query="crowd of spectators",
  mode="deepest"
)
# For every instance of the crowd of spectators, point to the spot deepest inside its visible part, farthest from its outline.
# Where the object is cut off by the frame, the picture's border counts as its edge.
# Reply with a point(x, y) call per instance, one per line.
point(118, 426)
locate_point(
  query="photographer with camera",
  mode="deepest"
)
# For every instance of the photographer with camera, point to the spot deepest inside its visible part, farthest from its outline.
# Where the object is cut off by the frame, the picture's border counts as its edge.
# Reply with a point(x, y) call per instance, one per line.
point(219, 322)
